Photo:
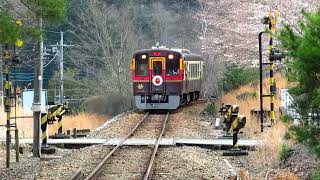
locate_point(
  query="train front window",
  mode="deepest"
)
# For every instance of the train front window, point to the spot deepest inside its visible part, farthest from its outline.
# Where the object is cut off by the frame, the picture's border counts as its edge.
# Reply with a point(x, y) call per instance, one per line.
point(142, 68)
point(172, 67)
point(157, 67)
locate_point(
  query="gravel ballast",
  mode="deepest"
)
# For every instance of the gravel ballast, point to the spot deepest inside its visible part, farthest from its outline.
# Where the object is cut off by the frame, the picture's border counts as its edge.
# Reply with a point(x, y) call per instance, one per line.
point(131, 162)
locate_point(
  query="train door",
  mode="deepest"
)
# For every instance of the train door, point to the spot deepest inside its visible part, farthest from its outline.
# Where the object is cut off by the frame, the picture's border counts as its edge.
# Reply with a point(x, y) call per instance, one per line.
point(157, 75)
point(186, 77)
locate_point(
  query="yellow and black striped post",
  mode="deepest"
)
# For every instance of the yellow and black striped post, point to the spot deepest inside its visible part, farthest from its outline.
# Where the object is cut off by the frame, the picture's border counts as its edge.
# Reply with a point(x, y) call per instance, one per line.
point(238, 122)
point(227, 111)
point(57, 114)
point(227, 118)
point(272, 28)
point(60, 125)
point(7, 102)
point(44, 127)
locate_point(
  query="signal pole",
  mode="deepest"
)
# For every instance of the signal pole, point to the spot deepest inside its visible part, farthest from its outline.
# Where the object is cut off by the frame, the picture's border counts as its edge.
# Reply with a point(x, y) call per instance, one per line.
point(274, 55)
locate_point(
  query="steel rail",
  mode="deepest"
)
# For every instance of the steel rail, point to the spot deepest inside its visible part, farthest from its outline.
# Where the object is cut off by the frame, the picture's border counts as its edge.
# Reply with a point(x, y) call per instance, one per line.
point(148, 174)
point(94, 173)
point(78, 175)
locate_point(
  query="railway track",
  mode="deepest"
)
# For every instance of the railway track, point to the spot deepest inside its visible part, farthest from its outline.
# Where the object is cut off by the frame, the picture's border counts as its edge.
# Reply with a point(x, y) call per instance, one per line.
point(149, 170)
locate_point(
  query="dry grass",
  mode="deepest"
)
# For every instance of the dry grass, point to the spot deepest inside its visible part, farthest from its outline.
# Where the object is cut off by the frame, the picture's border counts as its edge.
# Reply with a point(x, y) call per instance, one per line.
point(271, 174)
point(253, 124)
point(80, 121)
point(268, 153)
point(25, 125)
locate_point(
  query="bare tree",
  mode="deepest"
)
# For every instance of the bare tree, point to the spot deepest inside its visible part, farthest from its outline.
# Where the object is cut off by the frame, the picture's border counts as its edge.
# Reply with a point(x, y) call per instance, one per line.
point(213, 80)
point(106, 40)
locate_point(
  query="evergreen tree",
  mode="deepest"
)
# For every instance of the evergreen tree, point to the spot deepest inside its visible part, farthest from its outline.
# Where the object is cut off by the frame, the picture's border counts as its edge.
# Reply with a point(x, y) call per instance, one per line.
point(304, 52)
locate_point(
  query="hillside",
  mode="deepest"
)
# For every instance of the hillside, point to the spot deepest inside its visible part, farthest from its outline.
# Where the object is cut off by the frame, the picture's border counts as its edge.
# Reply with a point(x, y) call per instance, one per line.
point(231, 28)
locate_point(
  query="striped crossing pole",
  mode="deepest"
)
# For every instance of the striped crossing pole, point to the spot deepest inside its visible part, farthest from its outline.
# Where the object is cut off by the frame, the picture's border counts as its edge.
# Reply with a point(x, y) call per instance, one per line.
point(272, 28)
point(238, 122)
point(235, 140)
point(60, 125)
point(7, 102)
point(44, 127)
point(61, 111)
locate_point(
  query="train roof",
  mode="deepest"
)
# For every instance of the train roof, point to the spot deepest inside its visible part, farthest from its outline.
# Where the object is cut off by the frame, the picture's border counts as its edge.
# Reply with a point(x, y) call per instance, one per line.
point(185, 53)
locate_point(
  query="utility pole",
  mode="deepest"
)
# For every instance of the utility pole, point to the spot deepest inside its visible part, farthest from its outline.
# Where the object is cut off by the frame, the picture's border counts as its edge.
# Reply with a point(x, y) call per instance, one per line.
point(60, 47)
point(61, 67)
point(1, 76)
point(37, 96)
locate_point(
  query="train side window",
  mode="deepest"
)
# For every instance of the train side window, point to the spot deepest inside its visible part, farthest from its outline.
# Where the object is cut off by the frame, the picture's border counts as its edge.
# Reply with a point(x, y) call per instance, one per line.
point(172, 67)
point(197, 70)
point(142, 68)
point(192, 71)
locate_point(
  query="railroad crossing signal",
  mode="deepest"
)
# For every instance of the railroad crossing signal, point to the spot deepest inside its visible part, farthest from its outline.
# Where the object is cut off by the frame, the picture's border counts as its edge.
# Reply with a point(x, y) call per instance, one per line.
point(274, 54)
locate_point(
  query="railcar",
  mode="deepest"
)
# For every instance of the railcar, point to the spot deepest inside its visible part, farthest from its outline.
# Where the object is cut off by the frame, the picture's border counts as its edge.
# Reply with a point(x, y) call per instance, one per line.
point(165, 78)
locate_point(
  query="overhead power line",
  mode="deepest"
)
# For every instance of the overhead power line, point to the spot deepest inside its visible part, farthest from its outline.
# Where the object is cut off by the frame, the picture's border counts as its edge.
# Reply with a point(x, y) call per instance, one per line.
point(287, 19)
point(50, 60)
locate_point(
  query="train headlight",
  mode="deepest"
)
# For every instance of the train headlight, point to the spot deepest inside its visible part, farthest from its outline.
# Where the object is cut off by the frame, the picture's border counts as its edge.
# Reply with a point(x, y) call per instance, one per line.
point(144, 56)
point(171, 56)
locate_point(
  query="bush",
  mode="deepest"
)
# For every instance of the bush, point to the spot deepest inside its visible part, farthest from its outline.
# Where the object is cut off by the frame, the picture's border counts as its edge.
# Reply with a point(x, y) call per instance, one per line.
point(210, 108)
point(285, 152)
point(110, 104)
point(309, 135)
point(287, 135)
point(236, 76)
point(316, 175)
point(245, 95)
point(286, 118)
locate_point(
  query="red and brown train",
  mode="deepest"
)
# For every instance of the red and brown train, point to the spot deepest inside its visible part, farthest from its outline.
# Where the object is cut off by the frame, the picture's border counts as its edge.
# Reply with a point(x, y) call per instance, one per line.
point(165, 78)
